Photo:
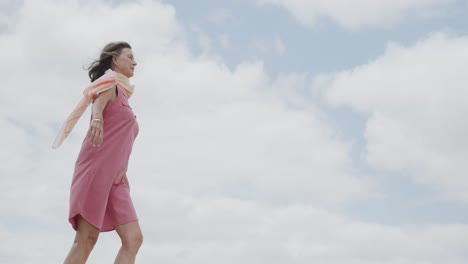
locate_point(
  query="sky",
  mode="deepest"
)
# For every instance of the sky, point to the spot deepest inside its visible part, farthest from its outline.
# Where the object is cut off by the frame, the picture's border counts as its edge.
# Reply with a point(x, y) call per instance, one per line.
point(271, 131)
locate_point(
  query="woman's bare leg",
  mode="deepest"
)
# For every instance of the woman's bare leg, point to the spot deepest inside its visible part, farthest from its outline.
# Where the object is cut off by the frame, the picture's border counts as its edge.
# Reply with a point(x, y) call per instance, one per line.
point(85, 239)
point(131, 237)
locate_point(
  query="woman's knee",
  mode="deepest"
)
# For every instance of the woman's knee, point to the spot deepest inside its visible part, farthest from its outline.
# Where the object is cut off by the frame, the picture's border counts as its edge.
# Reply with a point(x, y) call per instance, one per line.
point(132, 241)
point(86, 241)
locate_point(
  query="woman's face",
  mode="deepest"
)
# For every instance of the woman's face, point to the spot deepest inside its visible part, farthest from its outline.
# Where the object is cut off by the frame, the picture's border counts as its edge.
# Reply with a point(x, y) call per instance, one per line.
point(124, 63)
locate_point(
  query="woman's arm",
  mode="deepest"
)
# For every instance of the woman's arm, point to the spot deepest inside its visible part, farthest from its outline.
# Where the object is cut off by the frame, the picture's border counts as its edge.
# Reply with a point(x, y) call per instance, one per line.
point(96, 128)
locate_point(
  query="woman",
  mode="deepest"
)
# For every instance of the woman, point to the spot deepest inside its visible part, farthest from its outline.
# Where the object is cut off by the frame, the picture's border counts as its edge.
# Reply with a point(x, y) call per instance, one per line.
point(100, 193)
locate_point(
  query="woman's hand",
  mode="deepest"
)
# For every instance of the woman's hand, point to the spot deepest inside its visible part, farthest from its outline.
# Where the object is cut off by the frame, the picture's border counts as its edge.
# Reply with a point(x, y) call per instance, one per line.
point(96, 130)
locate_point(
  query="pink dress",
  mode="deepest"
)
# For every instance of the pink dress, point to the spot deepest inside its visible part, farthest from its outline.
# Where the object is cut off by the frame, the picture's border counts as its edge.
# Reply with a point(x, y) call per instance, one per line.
point(98, 192)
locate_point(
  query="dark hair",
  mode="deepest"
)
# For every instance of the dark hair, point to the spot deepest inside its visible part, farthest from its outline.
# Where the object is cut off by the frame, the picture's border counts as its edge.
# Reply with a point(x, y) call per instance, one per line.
point(100, 66)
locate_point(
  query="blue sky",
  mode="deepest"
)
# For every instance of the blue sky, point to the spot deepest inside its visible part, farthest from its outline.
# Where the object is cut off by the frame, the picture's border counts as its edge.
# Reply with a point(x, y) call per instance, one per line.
point(270, 130)
point(328, 47)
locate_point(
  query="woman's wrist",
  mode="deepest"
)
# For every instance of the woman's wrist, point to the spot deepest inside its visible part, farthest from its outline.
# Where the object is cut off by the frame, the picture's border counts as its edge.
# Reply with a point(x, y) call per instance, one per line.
point(97, 115)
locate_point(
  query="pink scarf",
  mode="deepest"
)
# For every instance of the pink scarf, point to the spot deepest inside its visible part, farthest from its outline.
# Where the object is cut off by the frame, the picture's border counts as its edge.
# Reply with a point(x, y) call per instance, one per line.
point(103, 83)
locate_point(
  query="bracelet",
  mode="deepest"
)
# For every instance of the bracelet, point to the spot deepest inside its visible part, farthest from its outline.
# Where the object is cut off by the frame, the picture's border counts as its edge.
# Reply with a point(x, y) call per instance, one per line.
point(96, 119)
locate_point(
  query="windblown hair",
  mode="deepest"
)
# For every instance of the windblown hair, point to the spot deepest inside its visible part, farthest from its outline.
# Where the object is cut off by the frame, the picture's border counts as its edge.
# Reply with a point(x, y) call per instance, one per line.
point(100, 66)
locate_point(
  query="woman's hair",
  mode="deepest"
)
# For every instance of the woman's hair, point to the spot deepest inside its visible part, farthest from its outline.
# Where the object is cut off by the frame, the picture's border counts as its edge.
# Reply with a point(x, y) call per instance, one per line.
point(100, 66)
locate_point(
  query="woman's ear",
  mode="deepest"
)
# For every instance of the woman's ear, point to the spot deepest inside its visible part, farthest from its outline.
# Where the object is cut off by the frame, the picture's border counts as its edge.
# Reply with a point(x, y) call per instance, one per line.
point(114, 61)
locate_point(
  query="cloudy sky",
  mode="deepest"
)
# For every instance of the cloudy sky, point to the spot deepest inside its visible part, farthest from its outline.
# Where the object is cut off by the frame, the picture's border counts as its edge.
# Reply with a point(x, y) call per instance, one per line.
point(271, 131)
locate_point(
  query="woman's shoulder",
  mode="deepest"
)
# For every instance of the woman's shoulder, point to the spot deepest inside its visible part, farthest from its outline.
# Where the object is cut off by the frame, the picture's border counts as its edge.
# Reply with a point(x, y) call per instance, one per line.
point(110, 94)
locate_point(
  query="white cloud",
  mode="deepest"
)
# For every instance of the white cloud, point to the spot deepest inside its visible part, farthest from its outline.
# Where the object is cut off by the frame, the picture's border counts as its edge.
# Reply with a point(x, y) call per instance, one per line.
point(359, 14)
point(230, 164)
point(234, 136)
point(416, 99)
point(184, 229)
point(253, 232)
